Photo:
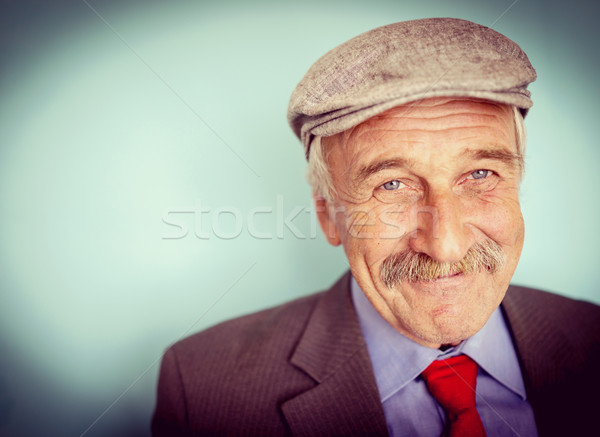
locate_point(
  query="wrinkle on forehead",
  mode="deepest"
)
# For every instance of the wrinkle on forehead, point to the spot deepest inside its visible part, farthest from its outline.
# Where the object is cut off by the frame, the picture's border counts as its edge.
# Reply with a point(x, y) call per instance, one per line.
point(451, 121)
point(457, 113)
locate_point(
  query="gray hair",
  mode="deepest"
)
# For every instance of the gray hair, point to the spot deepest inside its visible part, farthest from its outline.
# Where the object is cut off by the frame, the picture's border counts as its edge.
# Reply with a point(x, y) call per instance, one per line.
point(319, 177)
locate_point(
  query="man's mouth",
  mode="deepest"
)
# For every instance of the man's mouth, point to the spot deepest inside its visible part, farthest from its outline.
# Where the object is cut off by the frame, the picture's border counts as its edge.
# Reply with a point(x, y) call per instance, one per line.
point(450, 275)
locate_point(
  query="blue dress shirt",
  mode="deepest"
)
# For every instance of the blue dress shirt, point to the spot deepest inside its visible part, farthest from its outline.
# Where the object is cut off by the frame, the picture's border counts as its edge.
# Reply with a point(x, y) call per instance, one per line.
point(409, 408)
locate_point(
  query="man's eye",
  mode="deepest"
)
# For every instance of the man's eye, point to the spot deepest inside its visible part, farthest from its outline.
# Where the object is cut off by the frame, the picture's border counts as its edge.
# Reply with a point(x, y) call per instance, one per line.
point(392, 185)
point(480, 174)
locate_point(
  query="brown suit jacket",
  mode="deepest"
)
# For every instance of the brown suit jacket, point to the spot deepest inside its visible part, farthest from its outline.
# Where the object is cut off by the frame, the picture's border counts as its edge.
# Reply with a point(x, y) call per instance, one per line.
point(303, 369)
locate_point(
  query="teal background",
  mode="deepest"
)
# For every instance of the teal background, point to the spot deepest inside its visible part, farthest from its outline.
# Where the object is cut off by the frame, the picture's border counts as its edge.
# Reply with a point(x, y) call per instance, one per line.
point(113, 124)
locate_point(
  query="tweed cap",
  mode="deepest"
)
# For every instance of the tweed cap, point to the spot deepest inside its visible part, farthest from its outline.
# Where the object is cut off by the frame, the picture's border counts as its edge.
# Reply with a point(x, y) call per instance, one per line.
point(404, 62)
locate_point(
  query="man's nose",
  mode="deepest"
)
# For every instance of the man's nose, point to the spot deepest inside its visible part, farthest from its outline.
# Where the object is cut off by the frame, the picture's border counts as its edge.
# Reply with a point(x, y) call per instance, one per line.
point(440, 227)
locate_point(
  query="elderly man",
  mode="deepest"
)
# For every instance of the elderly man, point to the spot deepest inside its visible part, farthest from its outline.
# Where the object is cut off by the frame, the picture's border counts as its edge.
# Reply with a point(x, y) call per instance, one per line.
point(415, 139)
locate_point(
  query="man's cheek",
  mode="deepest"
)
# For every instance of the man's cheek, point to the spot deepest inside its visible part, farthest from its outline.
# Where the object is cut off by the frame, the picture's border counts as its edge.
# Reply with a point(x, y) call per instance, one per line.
point(380, 223)
point(360, 224)
point(393, 224)
point(501, 219)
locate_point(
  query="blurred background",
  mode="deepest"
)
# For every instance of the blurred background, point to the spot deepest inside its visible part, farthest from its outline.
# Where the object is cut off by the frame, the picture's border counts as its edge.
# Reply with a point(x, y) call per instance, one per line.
point(150, 186)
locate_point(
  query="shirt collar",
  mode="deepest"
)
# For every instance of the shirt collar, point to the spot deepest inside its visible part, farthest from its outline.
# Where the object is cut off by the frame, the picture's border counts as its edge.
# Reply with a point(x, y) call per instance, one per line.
point(493, 350)
point(397, 360)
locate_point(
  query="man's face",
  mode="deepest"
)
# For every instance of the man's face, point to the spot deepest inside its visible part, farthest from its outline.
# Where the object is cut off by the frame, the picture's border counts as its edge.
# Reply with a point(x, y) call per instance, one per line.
point(429, 181)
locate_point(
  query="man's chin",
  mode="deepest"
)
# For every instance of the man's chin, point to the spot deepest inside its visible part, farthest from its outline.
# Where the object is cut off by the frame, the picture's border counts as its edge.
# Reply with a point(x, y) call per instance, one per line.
point(443, 311)
point(446, 327)
point(451, 337)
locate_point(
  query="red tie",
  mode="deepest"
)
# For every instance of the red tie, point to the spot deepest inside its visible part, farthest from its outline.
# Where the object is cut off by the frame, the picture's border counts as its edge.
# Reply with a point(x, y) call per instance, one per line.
point(452, 383)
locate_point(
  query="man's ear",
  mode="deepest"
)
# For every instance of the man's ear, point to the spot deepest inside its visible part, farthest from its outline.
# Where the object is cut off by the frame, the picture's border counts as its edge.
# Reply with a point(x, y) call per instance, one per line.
point(326, 220)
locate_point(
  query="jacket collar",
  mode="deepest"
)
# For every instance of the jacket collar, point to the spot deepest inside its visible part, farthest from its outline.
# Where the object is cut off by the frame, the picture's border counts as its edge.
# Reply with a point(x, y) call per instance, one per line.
point(530, 333)
point(332, 351)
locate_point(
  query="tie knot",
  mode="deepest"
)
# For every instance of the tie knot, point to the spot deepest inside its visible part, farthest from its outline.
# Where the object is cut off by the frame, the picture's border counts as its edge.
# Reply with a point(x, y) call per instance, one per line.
point(452, 383)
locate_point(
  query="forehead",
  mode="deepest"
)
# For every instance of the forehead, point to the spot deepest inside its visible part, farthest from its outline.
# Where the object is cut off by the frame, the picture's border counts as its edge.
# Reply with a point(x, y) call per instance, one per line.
point(438, 125)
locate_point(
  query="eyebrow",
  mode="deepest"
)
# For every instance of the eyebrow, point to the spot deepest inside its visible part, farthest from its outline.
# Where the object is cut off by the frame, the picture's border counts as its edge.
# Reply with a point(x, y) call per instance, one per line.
point(375, 167)
point(512, 159)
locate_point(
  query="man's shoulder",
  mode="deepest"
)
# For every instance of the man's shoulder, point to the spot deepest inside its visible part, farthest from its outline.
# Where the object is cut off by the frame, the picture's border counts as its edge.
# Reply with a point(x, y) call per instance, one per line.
point(253, 330)
point(267, 335)
point(558, 343)
point(243, 364)
point(545, 323)
point(531, 303)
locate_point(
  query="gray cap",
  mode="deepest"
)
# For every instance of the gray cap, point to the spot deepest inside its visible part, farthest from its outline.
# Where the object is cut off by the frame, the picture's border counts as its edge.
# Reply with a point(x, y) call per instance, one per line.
point(404, 62)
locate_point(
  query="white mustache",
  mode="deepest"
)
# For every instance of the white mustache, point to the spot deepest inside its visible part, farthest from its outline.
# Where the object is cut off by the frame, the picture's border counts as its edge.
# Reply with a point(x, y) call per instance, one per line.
point(411, 266)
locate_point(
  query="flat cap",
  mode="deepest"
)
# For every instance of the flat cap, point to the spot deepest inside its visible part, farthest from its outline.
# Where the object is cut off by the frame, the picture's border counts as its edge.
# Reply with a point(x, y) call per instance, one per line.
point(404, 62)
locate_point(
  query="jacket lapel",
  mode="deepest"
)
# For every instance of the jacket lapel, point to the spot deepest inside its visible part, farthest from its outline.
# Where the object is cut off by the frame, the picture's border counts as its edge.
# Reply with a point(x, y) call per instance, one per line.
point(555, 359)
point(332, 350)
point(531, 336)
